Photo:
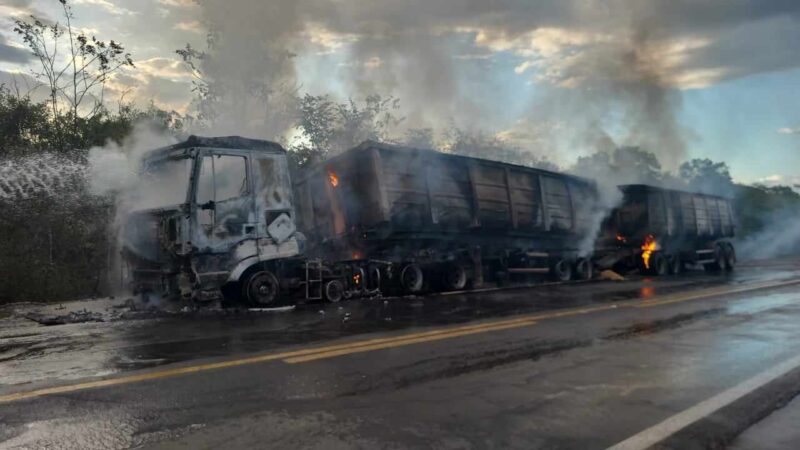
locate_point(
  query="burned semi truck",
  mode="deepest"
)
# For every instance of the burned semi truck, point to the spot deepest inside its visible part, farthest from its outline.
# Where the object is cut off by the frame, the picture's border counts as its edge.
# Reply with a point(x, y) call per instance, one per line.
point(223, 218)
point(444, 221)
point(663, 230)
point(218, 218)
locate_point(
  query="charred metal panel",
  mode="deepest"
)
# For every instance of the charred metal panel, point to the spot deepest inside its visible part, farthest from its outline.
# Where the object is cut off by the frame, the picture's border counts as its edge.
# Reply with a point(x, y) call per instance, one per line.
point(558, 204)
point(689, 215)
point(525, 194)
point(406, 190)
point(450, 193)
point(492, 192)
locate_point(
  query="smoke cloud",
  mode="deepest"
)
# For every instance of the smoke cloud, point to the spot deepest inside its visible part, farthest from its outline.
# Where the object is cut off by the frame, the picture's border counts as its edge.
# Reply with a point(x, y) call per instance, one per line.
point(606, 75)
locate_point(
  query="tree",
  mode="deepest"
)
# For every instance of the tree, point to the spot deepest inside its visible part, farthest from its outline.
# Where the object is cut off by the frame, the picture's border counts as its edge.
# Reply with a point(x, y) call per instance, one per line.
point(259, 98)
point(23, 124)
point(328, 127)
point(75, 69)
point(623, 165)
point(707, 176)
point(419, 138)
point(481, 145)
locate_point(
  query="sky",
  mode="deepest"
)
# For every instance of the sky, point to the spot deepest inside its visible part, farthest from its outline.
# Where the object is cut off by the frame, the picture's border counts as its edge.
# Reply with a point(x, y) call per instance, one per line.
point(716, 79)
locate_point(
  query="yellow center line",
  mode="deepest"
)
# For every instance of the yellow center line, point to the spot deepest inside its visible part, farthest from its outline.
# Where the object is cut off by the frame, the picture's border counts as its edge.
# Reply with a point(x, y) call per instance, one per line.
point(331, 351)
point(404, 342)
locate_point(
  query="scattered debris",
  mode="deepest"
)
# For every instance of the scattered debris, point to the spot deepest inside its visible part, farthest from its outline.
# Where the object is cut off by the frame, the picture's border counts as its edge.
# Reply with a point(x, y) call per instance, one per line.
point(73, 317)
point(611, 275)
point(275, 309)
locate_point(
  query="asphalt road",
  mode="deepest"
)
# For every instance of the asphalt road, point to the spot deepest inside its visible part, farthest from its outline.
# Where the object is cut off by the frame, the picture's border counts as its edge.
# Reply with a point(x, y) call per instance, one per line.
point(678, 362)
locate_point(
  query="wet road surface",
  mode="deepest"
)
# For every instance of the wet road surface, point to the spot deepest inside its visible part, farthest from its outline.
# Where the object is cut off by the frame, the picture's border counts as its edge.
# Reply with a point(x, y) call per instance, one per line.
point(583, 365)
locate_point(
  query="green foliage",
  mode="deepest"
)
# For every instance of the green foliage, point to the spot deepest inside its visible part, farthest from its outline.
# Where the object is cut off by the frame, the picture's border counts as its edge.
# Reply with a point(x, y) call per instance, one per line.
point(57, 243)
point(55, 247)
point(480, 145)
point(707, 176)
point(329, 127)
point(419, 138)
point(623, 165)
point(74, 68)
point(758, 206)
point(23, 124)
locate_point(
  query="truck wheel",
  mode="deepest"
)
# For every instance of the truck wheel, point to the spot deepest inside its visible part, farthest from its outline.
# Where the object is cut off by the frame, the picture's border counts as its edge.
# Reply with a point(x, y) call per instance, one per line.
point(659, 265)
point(730, 255)
point(411, 278)
point(675, 265)
point(562, 270)
point(454, 277)
point(584, 269)
point(719, 260)
point(373, 282)
point(334, 290)
point(261, 289)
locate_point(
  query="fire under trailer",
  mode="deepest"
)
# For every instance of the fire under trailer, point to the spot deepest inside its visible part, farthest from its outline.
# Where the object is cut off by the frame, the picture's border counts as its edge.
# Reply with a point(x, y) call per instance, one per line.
point(662, 231)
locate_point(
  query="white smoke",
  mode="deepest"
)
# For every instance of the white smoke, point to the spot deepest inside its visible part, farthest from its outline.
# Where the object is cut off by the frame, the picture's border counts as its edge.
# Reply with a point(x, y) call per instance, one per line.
point(116, 168)
point(780, 238)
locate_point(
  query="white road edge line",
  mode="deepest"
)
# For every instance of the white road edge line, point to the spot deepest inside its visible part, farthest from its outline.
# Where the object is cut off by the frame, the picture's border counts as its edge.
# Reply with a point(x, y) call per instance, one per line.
point(672, 425)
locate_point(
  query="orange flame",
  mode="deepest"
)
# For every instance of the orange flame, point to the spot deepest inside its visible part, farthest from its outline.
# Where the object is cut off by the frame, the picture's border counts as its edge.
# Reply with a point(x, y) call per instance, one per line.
point(357, 279)
point(334, 179)
point(650, 245)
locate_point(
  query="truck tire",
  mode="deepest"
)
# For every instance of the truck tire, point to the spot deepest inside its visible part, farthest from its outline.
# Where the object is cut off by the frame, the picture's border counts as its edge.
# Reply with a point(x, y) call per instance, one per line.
point(261, 289)
point(411, 278)
point(730, 256)
point(659, 266)
point(454, 277)
point(719, 260)
point(675, 264)
point(334, 290)
point(584, 269)
point(562, 270)
point(373, 281)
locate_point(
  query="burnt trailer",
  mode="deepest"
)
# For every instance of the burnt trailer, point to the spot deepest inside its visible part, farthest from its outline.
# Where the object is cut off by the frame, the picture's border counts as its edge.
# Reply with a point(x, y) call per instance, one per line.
point(444, 221)
point(663, 230)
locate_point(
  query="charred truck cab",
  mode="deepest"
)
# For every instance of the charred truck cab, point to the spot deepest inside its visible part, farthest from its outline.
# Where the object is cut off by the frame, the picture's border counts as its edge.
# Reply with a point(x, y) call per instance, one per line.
point(224, 222)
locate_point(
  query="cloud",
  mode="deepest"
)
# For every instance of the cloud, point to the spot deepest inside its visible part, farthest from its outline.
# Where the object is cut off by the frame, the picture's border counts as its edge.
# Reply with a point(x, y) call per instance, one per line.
point(179, 3)
point(106, 5)
point(165, 82)
point(23, 84)
point(780, 180)
point(13, 53)
point(789, 130)
point(193, 26)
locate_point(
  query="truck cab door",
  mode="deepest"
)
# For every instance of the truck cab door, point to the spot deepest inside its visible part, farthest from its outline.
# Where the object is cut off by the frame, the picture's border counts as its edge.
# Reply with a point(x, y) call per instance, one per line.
point(224, 201)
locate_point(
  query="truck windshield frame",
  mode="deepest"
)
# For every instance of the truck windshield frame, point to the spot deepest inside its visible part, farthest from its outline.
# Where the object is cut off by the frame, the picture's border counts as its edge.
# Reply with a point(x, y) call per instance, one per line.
point(166, 182)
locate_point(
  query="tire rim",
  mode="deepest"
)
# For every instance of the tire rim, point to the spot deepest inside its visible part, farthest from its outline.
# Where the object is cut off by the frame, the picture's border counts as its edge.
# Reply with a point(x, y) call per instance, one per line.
point(411, 278)
point(562, 270)
point(334, 291)
point(263, 289)
point(584, 269)
point(455, 277)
